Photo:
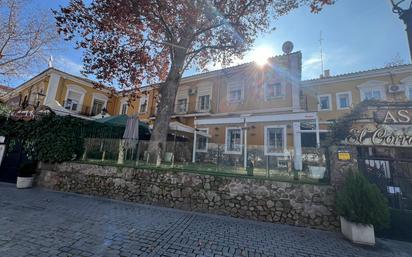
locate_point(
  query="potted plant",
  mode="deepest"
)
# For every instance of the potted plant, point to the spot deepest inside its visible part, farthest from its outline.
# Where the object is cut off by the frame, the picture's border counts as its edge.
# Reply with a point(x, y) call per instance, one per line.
point(362, 208)
point(25, 176)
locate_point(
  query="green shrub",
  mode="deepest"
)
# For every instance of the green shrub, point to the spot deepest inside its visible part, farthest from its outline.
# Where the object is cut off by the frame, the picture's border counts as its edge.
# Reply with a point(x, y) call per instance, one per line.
point(53, 138)
point(362, 202)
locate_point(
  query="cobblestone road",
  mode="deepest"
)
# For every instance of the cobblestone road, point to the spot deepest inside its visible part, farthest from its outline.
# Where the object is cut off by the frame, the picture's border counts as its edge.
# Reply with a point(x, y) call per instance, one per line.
point(38, 222)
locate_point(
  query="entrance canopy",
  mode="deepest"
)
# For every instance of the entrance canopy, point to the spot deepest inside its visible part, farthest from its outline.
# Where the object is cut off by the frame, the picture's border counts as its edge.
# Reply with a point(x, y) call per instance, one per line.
point(179, 127)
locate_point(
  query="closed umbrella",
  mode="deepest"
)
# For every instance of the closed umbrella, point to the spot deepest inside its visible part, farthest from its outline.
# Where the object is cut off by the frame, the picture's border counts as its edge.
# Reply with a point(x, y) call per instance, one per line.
point(130, 137)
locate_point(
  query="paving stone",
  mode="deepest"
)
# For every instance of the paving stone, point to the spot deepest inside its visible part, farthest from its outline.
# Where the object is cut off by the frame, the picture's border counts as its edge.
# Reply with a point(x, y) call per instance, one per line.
point(38, 222)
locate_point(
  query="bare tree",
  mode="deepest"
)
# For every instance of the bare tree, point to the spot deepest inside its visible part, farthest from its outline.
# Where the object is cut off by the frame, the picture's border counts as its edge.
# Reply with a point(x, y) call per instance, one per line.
point(24, 37)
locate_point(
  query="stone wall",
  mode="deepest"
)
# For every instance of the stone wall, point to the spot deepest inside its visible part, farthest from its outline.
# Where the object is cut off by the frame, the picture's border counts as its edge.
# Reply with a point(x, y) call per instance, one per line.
point(258, 199)
point(339, 169)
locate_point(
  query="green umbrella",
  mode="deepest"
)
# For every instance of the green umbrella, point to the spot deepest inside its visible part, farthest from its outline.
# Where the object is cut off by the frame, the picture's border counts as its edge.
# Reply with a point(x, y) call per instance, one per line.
point(121, 120)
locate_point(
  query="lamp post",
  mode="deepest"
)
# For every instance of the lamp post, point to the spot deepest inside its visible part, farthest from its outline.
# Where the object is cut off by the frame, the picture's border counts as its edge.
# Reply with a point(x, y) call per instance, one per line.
point(405, 14)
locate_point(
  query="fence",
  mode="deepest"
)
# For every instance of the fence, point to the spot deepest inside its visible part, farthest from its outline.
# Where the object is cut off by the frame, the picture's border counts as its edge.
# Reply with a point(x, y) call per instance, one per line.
point(213, 158)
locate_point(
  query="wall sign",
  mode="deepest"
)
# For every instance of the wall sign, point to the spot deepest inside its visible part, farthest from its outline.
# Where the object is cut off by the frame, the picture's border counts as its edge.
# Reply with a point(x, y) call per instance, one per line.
point(344, 156)
point(379, 136)
point(393, 116)
point(391, 127)
point(30, 113)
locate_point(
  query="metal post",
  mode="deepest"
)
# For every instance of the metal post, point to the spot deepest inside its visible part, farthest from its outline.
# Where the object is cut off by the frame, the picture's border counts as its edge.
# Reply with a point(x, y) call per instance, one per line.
point(406, 17)
point(297, 143)
point(245, 143)
point(245, 156)
point(194, 146)
point(317, 133)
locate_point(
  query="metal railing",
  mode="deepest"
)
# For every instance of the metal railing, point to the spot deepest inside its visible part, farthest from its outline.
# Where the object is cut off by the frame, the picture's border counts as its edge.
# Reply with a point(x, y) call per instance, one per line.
point(77, 108)
point(209, 158)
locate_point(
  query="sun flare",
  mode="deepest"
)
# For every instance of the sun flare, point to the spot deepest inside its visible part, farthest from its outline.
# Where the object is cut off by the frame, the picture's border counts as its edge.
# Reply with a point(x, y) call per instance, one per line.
point(261, 54)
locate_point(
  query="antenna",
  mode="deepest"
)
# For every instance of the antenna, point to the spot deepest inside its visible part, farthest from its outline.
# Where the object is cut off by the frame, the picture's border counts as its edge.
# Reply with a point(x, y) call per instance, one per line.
point(321, 51)
point(50, 61)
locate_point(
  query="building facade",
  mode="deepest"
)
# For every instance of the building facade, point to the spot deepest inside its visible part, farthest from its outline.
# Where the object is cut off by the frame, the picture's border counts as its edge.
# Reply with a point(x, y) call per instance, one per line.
point(248, 113)
point(333, 96)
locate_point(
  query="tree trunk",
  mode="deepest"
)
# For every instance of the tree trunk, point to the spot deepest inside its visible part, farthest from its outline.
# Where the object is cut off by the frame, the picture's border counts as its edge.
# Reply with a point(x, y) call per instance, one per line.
point(167, 96)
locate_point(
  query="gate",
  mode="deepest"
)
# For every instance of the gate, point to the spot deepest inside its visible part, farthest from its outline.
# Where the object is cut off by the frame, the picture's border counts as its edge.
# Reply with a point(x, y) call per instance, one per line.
point(390, 169)
point(13, 158)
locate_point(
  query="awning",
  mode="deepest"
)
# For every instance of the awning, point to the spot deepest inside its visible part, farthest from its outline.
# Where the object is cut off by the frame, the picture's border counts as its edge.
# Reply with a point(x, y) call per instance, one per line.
point(177, 126)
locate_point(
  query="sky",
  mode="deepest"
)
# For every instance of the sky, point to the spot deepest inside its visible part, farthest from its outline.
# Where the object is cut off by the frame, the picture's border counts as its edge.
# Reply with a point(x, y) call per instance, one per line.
point(357, 35)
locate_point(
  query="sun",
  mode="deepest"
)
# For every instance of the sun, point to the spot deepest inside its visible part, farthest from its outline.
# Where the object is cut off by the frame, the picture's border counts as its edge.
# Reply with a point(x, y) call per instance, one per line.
point(261, 54)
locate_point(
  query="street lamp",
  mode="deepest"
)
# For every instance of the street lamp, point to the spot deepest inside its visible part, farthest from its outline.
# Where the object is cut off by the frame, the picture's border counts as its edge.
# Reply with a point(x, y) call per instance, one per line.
point(405, 14)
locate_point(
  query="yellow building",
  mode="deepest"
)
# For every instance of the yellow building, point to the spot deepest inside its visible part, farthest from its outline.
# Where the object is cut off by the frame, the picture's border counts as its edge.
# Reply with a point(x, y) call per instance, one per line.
point(247, 112)
point(66, 94)
point(242, 108)
point(333, 96)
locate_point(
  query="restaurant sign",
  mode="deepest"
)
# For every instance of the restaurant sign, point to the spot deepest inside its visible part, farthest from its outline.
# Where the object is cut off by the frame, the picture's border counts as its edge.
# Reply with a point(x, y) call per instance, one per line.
point(392, 128)
point(30, 113)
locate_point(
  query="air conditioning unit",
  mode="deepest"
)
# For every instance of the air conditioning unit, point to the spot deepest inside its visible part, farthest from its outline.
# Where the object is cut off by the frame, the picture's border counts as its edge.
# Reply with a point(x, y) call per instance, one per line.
point(396, 88)
point(192, 91)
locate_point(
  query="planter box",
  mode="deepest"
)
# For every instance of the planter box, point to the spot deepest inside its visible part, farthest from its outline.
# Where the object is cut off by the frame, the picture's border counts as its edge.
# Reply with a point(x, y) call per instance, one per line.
point(358, 233)
point(24, 182)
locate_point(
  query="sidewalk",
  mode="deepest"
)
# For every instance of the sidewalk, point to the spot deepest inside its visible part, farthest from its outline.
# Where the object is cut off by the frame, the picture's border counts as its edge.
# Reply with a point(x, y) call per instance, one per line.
point(37, 222)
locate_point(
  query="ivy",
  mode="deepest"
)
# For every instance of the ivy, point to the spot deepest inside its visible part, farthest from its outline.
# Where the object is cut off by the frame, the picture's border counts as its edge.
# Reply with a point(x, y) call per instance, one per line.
point(54, 138)
point(340, 128)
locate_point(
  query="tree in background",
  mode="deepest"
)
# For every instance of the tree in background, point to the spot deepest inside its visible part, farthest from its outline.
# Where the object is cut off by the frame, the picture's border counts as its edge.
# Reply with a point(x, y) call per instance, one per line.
point(135, 42)
point(23, 38)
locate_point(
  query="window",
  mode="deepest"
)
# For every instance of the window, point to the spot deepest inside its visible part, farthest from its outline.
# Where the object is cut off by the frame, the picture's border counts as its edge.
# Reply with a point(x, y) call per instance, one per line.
point(324, 103)
point(372, 94)
point(204, 103)
point(275, 140)
point(123, 109)
point(98, 106)
point(409, 93)
point(181, 106)
point(73, 100)
point(233, 141)
point(201, 141)
point(343, 100)
point(235, 93)
point(273, 90)
point(143, 104)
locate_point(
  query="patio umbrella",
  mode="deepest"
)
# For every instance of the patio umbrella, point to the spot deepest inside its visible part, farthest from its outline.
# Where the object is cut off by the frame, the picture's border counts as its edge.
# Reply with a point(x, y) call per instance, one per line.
point(130, 137)
point(131, 132)
point(122, 120)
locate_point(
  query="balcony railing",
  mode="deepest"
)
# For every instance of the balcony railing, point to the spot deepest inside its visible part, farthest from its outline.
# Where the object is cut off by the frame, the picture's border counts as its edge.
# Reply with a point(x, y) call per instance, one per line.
point(205, 107)
point(180, 109)
point(77, 108)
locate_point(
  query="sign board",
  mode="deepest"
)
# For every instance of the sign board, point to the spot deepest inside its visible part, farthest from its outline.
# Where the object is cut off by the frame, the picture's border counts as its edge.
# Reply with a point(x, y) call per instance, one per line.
point(30, 113)
point(391, 126)
point(344, 156)
point(383, 136)
point(393, 116)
